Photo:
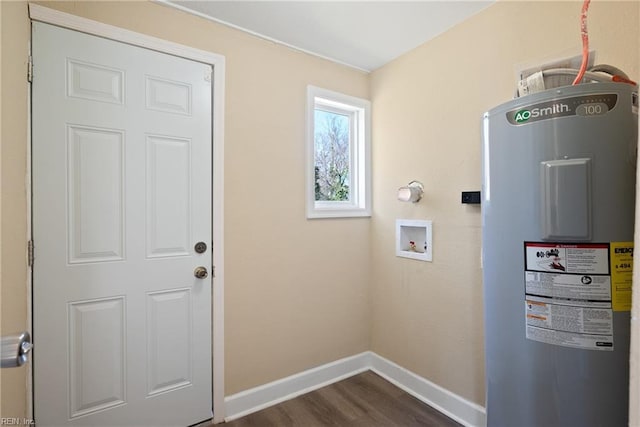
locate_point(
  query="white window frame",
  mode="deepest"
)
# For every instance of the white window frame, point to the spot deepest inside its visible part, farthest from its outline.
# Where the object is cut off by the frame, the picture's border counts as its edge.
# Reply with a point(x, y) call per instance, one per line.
point(359, 112)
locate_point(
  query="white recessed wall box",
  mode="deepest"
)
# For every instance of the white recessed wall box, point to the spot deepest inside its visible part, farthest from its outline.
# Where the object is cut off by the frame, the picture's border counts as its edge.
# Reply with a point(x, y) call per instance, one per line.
point(413, 239)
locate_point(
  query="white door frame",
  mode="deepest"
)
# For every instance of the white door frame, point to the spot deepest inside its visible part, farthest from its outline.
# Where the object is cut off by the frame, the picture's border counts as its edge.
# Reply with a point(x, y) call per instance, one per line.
point(51, 16)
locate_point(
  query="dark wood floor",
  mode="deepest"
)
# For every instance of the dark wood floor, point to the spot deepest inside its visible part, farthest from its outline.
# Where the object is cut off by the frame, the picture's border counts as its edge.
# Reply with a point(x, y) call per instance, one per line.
point(365, 400)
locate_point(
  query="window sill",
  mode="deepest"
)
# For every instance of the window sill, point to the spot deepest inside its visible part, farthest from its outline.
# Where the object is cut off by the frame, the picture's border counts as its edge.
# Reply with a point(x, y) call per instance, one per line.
point(338, 213)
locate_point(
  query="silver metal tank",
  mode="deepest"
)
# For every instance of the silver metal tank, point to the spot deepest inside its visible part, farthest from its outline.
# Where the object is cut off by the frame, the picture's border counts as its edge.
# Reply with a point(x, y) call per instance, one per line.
point(558, 200)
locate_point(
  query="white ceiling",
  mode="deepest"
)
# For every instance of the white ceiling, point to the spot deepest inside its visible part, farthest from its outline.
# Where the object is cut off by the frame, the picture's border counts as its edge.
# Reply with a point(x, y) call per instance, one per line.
point(362, 34)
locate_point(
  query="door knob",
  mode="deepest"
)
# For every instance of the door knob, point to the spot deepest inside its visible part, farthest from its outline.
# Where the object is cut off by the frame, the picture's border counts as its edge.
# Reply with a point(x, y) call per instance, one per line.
point(200, 273)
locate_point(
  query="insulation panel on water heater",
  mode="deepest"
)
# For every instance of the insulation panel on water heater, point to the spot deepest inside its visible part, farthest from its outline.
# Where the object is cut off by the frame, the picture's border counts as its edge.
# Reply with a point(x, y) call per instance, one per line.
point(558, 215)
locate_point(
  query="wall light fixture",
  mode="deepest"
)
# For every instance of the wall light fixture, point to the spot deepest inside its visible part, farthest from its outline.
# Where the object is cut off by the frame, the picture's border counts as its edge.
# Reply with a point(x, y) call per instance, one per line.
point(412, 192)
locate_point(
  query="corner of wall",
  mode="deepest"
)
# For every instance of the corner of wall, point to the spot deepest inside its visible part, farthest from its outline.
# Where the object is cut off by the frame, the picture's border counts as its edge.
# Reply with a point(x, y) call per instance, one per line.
point(14, 40)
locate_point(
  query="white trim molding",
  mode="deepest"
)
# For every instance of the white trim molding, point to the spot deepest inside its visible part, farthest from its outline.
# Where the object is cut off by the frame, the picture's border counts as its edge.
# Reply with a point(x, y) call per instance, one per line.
point(261, 397)
point(217, 61)
point(359, 182)
point(256, 34)
point(455, 407)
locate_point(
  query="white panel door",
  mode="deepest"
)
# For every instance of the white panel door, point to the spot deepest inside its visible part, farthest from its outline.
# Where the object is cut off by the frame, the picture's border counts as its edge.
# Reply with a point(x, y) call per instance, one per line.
point(121, 195)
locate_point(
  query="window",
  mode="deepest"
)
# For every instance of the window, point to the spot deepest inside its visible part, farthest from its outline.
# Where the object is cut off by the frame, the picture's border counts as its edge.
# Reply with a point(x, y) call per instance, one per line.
point(338, 155)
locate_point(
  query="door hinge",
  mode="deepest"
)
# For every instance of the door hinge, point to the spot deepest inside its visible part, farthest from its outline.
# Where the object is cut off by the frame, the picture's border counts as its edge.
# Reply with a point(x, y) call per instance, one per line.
point(30, 69)
point(30, 252)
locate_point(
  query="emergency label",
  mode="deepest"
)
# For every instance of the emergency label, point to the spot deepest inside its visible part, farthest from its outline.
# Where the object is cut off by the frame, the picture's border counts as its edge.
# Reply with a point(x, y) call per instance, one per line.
point(621, 275)
point(568, 294)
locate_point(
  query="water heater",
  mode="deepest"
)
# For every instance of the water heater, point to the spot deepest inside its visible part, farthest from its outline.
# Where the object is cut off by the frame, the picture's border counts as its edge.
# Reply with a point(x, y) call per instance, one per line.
point(557, 246)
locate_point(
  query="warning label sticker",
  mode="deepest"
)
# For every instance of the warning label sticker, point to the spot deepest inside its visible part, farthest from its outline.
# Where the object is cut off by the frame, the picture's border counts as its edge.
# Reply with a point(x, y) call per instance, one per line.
point(553, 314)
point(577, 259)
point(566, 339)
point(568, 294)
point(576, 286)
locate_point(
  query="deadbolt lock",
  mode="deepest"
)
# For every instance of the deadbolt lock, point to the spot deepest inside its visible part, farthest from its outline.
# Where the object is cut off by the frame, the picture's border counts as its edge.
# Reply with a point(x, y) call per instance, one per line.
point(201, 247)
point(200, 272)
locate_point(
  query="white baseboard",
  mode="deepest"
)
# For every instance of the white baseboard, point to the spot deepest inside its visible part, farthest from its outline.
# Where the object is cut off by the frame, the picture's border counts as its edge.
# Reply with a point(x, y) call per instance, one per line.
point(255, 399)
point(450, 404)
point(456, 407)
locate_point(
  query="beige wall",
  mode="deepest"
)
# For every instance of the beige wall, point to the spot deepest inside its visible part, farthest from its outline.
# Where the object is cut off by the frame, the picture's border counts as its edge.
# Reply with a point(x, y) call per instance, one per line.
point(296, 291)
point(14, 29)
point(427, 106)
point(301, 293)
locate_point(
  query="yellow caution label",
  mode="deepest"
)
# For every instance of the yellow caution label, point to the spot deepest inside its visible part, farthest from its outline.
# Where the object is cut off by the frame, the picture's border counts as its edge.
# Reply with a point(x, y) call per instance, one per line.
point(621, 256)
